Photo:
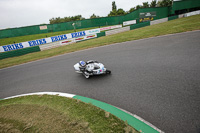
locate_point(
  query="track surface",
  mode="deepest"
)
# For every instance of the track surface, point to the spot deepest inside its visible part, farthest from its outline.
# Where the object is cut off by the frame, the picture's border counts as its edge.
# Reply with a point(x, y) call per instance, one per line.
point(156, 78)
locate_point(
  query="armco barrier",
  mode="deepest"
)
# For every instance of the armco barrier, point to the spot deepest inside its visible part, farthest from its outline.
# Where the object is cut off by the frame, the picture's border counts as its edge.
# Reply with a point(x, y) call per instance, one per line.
point(181, 16)
point(192, 13)
point(101, 34)
point(172, 17)
point(135, 26)
point(158, 21)
point(19, 52)
point(111, 32)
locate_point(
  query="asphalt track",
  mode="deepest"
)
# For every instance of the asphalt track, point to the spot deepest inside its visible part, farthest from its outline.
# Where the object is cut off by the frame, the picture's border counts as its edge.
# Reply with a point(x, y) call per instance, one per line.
point(157, 79)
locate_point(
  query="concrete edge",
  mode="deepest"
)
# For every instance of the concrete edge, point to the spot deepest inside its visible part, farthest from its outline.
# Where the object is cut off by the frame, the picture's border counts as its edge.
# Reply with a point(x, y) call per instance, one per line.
point(133, 120)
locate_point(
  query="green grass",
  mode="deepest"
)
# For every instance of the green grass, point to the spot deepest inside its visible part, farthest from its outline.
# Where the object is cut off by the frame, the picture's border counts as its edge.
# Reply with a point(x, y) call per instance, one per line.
point(170, 27)
point(48, 113)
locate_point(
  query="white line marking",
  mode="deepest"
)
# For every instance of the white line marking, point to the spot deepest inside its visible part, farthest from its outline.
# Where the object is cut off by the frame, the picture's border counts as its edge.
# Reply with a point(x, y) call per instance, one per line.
point(43, 93)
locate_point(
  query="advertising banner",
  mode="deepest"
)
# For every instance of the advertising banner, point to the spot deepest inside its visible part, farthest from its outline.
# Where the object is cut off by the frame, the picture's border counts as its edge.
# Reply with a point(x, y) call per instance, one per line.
point(69, 41)
point(66, 42)
point(85, 37)
point(16, 46)
point(44, 27)
point(147, 16)
point(129, 22)
point(110, 27)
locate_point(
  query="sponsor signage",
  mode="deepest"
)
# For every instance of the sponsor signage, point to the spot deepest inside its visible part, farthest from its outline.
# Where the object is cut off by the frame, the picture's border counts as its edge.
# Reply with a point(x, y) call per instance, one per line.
point(147, 16)
point(129, 22)
point(110, 27)
point(69, 41)
point(66, 42)
point(16, 46)
point(44, 27)
point(85, 37)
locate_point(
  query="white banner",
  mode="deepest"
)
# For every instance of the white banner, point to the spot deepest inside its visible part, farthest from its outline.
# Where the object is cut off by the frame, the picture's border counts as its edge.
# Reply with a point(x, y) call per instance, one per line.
point(47, 40)
point(129, 22)
point(69, 41)
point(110, 27)
point(85, 37)
point(44, 27)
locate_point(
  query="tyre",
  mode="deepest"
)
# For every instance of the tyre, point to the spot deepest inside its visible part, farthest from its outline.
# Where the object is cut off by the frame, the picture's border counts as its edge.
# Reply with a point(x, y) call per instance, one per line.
point(108, 72)
point(87, 76)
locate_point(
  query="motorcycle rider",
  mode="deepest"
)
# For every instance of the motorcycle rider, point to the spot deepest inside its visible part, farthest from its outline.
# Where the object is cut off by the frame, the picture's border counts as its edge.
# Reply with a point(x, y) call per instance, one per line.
point(86, 67)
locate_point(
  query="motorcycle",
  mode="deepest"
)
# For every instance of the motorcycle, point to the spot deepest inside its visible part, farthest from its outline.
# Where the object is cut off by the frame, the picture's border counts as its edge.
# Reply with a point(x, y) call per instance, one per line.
point(91, 68)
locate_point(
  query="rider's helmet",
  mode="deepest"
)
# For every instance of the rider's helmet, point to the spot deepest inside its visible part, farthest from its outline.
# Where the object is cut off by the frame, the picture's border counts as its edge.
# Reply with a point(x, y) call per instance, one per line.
point(82, 63)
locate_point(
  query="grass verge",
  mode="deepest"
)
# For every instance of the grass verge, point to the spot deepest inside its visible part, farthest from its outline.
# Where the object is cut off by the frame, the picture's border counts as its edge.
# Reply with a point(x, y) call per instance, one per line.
point(170, 27)
point(48, 113)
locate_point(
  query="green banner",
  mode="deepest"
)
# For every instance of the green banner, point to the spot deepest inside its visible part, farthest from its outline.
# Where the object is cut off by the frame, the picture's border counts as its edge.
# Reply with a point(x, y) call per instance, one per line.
point(147, 16)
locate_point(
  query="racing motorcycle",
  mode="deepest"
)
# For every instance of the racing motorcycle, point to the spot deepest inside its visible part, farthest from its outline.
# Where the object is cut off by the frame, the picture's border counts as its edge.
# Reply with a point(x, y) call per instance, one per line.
point(90, 68)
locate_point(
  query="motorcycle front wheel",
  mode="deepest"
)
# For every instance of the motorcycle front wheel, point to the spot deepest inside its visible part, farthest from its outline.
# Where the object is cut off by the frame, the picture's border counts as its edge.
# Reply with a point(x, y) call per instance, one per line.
point(86, 76)
point(108, 72)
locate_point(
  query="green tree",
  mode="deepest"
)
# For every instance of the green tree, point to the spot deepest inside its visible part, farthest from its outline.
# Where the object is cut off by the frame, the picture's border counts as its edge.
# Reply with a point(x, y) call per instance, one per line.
point(164, 3)
point(114, 10)
point(114, 7)
point(132, 9)
point(153, 3)
point(94, 16)
point(65, 19)
point(121, 12)
point(145, 5)
point(112, 13)
point(138, 7)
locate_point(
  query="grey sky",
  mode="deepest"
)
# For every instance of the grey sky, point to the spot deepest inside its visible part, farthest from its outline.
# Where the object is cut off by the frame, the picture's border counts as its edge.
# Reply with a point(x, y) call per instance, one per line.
point(17, 13)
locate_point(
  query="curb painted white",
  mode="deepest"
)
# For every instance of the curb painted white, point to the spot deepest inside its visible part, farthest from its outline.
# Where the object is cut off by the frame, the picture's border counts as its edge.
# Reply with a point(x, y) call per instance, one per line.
point(44, 93)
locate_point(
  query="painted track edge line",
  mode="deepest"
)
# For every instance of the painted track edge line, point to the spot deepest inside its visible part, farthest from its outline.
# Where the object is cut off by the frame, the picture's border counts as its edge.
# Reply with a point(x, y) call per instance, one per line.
point(141, 119)
point(101, 105)
point(43, 93)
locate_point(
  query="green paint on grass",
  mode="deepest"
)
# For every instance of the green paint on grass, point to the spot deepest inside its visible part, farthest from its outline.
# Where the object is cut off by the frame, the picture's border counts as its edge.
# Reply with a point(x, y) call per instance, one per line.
point(134, 122)
point(51, 113)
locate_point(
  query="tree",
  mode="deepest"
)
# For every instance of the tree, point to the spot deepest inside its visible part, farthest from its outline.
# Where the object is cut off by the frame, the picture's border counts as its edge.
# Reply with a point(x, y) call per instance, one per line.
point(153, 3)
point(164, 3)
point(94, 16)
point(112, 13)
point(145, 5)
point(121, 12)
point(138, 7)
point(114, 7)
point(65, 19)
point(132, 9)
point(116, 12)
